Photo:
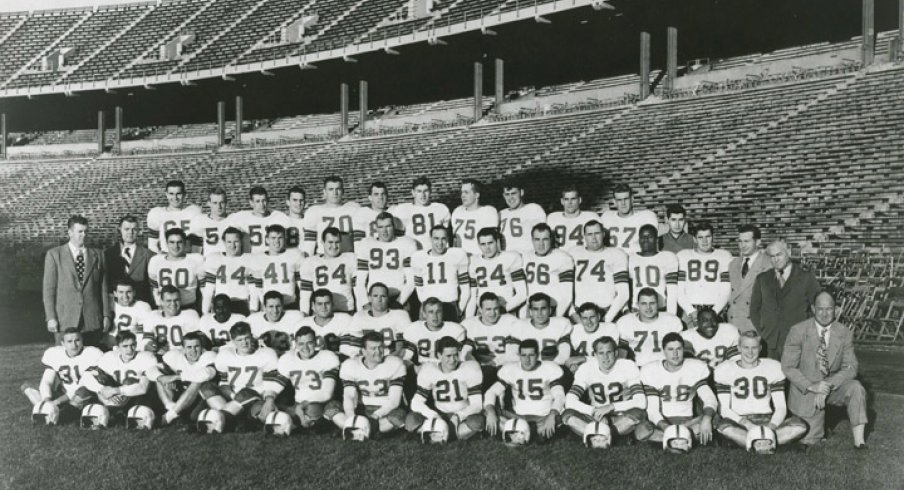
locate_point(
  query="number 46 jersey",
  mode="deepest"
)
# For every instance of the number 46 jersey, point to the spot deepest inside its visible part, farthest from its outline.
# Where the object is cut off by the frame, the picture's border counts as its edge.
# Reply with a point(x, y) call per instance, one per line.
point(450, 391)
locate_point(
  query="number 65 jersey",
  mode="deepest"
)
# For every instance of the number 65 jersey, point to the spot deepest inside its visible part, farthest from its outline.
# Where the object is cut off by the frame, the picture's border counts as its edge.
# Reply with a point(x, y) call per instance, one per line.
point(372, 384)
point(450, 391)
point(531, 390)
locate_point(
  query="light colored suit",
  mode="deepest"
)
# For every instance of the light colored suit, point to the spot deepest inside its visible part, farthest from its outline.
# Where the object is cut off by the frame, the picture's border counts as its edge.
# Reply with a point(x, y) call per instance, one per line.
point(742, 289)
point(70, 302)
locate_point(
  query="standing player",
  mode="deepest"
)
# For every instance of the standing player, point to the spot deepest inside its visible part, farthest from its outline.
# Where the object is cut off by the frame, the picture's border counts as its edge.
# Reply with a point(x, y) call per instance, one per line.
point(451, 390)
point(582, 339)
point(551, 334)
point(165, 328)
point(128, 313)
point(568, 224)
point(333, 213)
point(333, 270)
point(365, 219)
point(176, 214)
point(421, 337)
point(518, 219)
point(441, 272)
point(549, 270)
point(274, 318)
point(643, 332)
point(277, 269)
point(751, 394)
point(254, 222)
point(676, 239)
point(703, 277)
point(333, 328)
point(313, 375)
point(497, 271)
point(120, 378)
point(491, 335)
point(206, 230)
point(218, 324)
point(295, 199)
point(600, 273)
point(180, 375)
point(176, 268)
point(712, 341)
point(64, 366)
point(227, 274)
point(469, 218)
point(658, 270)
point(419, 217)
point(379, 318)
point(613, 389)
point(671, 386)
point(624, 222)
point(386, 259)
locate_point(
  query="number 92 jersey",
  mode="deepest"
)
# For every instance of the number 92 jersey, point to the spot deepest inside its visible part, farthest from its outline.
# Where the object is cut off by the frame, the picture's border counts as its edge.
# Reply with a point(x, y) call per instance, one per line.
point(675, 390)
point(531, 390)
point(450, 391)
point(750, 388)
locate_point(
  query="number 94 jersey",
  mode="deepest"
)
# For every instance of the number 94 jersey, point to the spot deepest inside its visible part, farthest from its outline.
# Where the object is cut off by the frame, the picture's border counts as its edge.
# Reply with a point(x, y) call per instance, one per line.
point(750, 388)
point(307, 375)
point(531, 390)
point(450, 391)
point(676, 390)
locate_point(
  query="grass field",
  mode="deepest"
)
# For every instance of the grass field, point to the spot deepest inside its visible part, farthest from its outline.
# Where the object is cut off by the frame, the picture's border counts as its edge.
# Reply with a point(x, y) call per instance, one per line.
point(67, 457)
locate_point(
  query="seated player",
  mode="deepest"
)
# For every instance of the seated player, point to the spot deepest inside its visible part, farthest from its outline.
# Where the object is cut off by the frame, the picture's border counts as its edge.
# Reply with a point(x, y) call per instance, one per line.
point(180, 375)
point(313, 374)
point(379, 318)
point(274, 320)
point(333, 329)
point(332, 270)
point(535, 389)
point(672, 385)
point(551, 334)
point(490, 334)
point(751, 394)
point(449, 389)
point(128, 313)
point(120, 378)
point(642, 333)
point(165, 328)
point(216, 325)
point(372, 386)
point(64, 367)
point(582, 339)
point(421, 337)
point(613, 389)
point(248, 380)
point(712, 341)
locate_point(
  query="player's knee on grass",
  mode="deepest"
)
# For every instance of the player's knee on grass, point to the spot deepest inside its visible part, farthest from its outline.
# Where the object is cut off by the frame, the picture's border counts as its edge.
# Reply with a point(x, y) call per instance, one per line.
point(414, 421)
point(644, 430)
point(476, 422)
point(568, 414)
point(246, 396)
point(254, 409)
point(210, 389)
point(397, 417)
point(625, 422)
point(314, 411)
point(81, 397)
point(331, 409)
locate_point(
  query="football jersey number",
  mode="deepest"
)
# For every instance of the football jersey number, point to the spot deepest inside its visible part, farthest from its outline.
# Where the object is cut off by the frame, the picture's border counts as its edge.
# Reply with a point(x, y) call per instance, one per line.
point(273, 276)
point(629, 232)
point(682, 393)
point(381, 387)
point(123, 321)
point(482, 344)
point(708, 270)
point(642, 335)
point(178, 278)
point(169, 225)
point(211, 236)
point(706, 355)
point(598, 270)
point(171, 335)
point(219, 334)
point(517, 230)
point(424, 347)
point(438, 275)
point(387, 333)
point(255, 236)
point(236, 371)
point(530, 389)
point(315, 380)
point(69, 374)
point(563, 236)
point(122, 376)
point(419, 223)
point(760, 387)
point(600, 393)
point(447, 391)
point(470, 228)
point(537, 273)
point(651, 277)
point(323, 276)
point(237, 275)
point(292, 237)
point(388, 258)
point(480, 276)
point(345, 223)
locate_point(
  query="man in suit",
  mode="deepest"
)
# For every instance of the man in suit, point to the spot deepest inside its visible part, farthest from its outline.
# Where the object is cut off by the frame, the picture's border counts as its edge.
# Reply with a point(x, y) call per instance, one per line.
point(129, 260)
point(781, 297)
point(743, 271)
point(820, 363)
point(76, 294)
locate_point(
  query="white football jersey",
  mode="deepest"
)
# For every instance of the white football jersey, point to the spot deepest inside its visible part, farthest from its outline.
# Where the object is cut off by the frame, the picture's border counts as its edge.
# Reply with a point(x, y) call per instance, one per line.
point(618, 387)
point(624, 232)
point(582, 340)
point(515, 225)
point(596, 273)
point(279, 272)
point(721, 347)
point(450, 391)
point(390, 325)
point(466, 223)
point(70, 370)
point(294, 231)
point(169, 330)
point(548, 338)
point(129, 318)
point(183, 273)
point(569, 230)
point(492, 339)
point(676, 391)
point(289, 323)
point(340, 326)
point(750, 388)
point(653, 272)
point(206, 234)
point(417, 221)
point(307, 375)
point(228, 275)
point(421, 340)
point(219, 332)
point(385, 262)
point(336, 274)
point(373, 384)
point(645, 339)
point(552, 274)
point(496, 275)
point(531, 390)
point(320, 217)
point(439, 276)
point(363, 223)
point(247, 371)
point(160, 220)
point(174, 362)
point(702, 277)
point(255, 227)
point(140, 365)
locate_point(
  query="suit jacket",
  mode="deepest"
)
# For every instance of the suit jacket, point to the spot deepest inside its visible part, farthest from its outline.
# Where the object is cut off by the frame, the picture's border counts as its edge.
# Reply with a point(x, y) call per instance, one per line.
point(801, 365)
point(69, 301)
point(774, 309)
point(137, 272)
point(742, 289)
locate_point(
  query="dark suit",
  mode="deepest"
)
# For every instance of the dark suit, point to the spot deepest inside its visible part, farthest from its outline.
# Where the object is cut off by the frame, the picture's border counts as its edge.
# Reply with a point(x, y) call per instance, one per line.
point(71, 303)
point(118, 268)
point(774, 309)
point(742, 289)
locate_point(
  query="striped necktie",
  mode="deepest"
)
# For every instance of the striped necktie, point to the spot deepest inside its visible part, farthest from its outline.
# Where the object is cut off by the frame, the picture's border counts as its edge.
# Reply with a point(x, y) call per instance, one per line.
point(822, 354)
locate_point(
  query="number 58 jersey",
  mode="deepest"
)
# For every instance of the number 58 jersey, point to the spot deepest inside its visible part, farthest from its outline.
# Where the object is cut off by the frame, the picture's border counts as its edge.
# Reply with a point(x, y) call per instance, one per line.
point(372, 384)
point(531, 390)
point(450, 391)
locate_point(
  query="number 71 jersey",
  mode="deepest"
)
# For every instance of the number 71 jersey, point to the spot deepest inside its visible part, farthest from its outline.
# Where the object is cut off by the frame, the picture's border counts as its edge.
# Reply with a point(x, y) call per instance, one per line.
point(645, 339)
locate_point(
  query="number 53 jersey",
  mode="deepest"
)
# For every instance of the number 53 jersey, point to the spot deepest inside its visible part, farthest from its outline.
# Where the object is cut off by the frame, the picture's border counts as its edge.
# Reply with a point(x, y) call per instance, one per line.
point(531, 390)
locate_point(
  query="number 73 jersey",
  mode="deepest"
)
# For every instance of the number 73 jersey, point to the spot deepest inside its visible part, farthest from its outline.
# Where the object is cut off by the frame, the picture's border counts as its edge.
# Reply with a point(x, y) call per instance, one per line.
point(307, 375)
point(531, 390)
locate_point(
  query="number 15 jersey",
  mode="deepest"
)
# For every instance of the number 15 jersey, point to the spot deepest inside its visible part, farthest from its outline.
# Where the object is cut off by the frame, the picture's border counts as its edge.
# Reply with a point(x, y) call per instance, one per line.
point(531, 390)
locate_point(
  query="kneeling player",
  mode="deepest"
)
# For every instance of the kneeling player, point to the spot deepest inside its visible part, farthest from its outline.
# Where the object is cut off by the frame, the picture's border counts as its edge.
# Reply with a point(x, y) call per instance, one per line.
point(313, 374)
point(180, 375)
point(536, 392)
point(372, 386)
point(451, 390)
point(751, 394)
point(121, 376)
point(613, 389)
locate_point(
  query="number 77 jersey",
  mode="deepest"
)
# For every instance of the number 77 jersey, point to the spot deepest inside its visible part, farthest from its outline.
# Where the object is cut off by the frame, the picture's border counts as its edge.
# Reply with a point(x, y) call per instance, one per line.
point(254, 371)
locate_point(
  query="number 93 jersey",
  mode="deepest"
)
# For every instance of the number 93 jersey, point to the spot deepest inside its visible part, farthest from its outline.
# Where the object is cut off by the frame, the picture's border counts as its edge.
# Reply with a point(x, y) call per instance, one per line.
point(531, 390)
point(372, 384)
point(307, 375)
point(385, 262)
point(751, 389)
point(676, 391)
point(254, 371)
point(71, 369)
point(450, 391)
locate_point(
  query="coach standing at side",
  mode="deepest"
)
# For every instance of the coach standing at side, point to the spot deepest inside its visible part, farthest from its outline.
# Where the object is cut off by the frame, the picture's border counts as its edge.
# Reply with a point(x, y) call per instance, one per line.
point(743, 272)
point(781, 297)
point(75, 287)
point(129, 260)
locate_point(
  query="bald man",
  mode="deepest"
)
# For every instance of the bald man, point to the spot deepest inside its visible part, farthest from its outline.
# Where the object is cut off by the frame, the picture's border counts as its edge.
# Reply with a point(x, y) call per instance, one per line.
point(820, 363)
point(782, 296)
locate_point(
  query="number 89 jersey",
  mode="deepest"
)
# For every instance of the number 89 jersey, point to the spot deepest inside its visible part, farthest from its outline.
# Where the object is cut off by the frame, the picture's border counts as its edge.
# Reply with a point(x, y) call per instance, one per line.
point(676, 390)
point(704, 275)
point(750, 388)
point(531, 390)
point(307, 375)
point(450, 391)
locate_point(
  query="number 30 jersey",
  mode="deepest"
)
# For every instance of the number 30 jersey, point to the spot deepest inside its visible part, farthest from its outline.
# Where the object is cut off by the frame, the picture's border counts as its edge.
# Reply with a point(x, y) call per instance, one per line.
point(751, 389)
point(372, 384)
point(531, 390)
point(450, 391)
point(307, 375)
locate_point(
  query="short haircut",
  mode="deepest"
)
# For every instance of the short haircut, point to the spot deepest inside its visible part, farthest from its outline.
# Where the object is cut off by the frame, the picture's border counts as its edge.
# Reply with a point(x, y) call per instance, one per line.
point(176, 183)
point(76, 219)
point(703, 226)
point(750, 228)
point(71, 330)
point(445, 229)
point(569, 188)
point(488, 231)
point(539, 297)
point(257, 191)
point(605, 339)
point(372, 336)
point(124, 281)
point(648, 292)
point(672, 337)
point(384, 216)
point(129, 218)
point(422, 180)
point(272, 295)
point(295, 189)
point(674, 209)
point(223, 297)
point(431, 301)
point(594, 222)
point(196, 336)
point(588, 306)
point(174, 232)
point(231, 230)
point(276, 229)
point(650, 228)
point(216, 191)
point(168, 289)
point(475, 184)
point(512, 184)
point(619, 188)
point(488, 296)
point(124, 335)
point(305, 330)
point(541, 227)
point(753, 334)
point(445, 343)
point(376, 185)
point(321, 293)
point(334, 179)
point(376, 285)
point(331, 231)
point(529, 344)
point(239, 329)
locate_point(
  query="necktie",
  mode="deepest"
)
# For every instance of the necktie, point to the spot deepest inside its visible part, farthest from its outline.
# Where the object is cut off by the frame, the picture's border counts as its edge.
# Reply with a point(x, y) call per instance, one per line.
point(822, 353)
point(128, 262)
point(781, 278)
point(80, 266)
point(128, 252)
point(746, 267)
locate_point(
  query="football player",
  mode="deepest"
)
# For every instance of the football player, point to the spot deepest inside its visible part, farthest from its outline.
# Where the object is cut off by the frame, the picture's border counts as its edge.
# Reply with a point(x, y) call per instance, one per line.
point(623, 223)
point(165, 328)
point(277, 269)
point(518, 219)
point(651, 268)
point(591, 330)
point(386, 259)
point(449, 389)
point(471, 217)
point(295, 200)
point(176, 214)
point(333, 270)
point(227, 274)
point(372, 386)
point(442, 272)
point(671, 387)
point(254, 222)
point(217, 324)
point(421, 337)
point(642, 332)
point(176, 268)
point(613, 389)
point(568, 224)
point(274, 319)
point(120, 378)
point(379, 318)
point(497, 271)
point(206, 230)
point(180, 375)
point(535, 389)
point(128, 313)
point(676, 239)
point(364, 220)
point(551, 333)
point(313, 375)
point(703, 278)
point(549, 270)
point(490, 334)
point(333, 213)
point(333, 329)
point(713, 342)
point(600, 273)
point(419, 217)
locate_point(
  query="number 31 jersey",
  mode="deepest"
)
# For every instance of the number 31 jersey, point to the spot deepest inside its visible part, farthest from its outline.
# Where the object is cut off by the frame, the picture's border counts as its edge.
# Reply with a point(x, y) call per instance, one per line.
point(450, 391)
point(71, 369)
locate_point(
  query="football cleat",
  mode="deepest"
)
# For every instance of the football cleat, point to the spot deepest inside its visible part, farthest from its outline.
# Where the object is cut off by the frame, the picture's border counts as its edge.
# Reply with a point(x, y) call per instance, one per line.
point(435, 431)
point(140, 417)
point(356, 428)
point(95, 416)
point(515, 432)
point(677, 439)
point(211, 421)
point(45, 413)
point(761, 440)
point(278, 423)
point(597, 435)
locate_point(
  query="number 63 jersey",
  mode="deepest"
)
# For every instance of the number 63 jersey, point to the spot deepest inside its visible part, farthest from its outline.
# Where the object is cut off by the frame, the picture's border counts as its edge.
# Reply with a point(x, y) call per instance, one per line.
point(372, 384)
point(531, 390)
point(450, 391)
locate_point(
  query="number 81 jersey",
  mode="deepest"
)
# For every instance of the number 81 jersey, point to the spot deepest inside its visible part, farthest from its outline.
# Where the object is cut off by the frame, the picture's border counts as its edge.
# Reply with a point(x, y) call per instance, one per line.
point(450, 391)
